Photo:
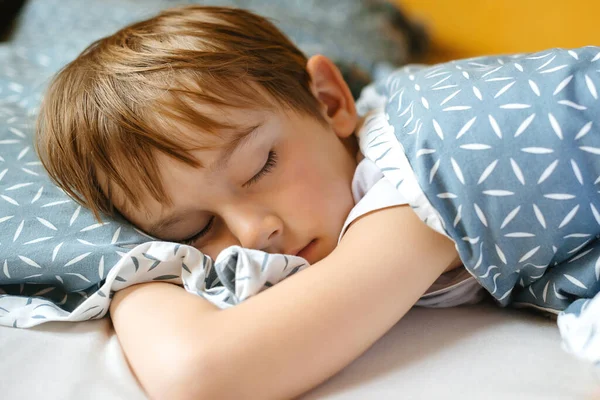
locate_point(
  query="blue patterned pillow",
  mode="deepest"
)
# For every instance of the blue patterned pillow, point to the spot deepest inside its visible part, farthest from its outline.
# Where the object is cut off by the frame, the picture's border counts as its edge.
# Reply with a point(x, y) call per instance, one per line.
point(49, 245)
point(358, 35)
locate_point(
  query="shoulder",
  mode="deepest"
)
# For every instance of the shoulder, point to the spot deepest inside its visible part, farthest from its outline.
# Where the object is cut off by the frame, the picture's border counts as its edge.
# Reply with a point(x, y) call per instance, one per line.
point(376, 193)
point(395, 235)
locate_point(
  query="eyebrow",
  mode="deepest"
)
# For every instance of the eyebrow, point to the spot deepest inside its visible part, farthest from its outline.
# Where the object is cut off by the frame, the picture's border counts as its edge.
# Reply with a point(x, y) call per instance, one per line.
point(241, 138)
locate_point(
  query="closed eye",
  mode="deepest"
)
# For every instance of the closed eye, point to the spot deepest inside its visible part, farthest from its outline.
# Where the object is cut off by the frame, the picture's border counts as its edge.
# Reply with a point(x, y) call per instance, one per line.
point(191, 240)
point(268, 167)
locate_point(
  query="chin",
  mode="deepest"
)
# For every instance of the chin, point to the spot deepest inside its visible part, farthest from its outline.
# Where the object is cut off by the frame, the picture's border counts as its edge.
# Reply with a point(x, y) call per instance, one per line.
point(326, 249)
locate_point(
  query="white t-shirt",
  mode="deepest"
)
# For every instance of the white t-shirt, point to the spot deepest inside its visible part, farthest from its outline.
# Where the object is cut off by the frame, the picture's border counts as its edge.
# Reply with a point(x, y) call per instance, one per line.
point(371, 191)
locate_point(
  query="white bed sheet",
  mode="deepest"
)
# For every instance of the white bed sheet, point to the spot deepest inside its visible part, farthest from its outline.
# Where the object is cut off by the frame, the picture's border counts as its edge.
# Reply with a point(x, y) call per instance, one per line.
point(462, 353)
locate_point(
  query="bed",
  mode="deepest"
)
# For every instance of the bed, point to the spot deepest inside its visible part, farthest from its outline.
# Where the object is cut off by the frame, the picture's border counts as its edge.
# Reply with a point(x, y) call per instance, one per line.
point(466, 352)
point(457, 353)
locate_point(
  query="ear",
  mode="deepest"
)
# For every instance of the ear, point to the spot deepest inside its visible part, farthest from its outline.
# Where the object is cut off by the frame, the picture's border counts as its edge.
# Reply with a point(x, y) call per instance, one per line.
point(330, 88)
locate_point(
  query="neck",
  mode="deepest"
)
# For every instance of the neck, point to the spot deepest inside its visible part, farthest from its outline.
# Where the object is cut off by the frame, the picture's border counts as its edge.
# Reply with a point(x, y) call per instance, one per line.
point(351, 145)
point(351, 142)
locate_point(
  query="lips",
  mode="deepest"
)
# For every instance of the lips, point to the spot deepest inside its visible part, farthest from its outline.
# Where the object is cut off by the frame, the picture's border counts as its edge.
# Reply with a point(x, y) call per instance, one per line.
point(307, 250)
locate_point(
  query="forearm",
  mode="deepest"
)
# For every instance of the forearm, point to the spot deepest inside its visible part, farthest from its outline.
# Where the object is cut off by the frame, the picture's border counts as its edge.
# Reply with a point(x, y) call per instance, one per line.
point(303, 330)
point(285, 340)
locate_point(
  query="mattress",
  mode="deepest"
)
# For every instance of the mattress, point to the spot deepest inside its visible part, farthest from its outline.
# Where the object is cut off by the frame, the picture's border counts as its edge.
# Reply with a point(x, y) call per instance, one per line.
point(458, 353)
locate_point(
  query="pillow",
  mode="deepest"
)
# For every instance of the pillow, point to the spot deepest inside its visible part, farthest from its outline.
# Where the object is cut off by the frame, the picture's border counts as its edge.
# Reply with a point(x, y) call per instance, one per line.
point(49, 245)
point(357, 34)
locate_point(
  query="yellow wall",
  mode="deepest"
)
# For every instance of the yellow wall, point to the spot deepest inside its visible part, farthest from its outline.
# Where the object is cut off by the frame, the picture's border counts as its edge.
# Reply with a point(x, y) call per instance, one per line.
point(465, 28)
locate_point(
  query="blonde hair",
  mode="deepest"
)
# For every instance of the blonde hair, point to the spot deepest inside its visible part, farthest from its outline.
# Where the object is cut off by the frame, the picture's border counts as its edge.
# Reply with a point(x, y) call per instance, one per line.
point(110, 110)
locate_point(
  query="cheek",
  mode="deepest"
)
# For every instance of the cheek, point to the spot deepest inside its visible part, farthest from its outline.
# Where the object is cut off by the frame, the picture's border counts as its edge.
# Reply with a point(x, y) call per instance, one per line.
point(317, 192)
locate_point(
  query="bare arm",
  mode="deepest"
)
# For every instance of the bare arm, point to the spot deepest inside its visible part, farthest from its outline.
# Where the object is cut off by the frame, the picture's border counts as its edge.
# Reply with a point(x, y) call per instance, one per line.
point(294, 335)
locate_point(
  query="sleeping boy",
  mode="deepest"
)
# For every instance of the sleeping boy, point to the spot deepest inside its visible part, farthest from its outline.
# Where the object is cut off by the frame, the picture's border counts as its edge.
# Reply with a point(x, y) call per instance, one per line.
point(207, 126)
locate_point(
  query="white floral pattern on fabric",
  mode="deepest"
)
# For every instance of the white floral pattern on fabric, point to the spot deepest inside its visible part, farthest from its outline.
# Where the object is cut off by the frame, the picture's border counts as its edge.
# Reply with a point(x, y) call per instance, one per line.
point(396, 167)
point(236, 275)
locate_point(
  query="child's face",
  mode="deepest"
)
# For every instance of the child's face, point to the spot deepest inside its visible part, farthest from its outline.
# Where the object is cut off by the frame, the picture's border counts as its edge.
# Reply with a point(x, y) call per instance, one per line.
point(286, 187)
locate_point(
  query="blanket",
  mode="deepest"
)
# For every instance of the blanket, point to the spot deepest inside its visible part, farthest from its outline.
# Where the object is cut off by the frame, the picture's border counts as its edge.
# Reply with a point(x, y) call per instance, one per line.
point(502, 155)
point(235, 275)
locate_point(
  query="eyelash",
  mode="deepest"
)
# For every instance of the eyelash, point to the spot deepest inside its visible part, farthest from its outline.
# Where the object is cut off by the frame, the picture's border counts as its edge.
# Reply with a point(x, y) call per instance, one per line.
point(267, 168)
point(200, 234)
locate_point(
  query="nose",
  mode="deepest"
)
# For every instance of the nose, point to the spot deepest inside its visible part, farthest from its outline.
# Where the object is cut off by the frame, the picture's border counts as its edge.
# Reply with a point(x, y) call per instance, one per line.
point(255, 228)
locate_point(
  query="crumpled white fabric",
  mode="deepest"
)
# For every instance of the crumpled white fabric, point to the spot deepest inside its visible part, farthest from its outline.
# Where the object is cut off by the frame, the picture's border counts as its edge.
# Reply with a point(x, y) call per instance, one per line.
point(237, 274)
point(580, 333)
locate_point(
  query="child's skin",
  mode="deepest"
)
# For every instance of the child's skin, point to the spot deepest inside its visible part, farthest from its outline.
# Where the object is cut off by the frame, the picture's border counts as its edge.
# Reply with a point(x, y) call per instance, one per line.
point(304, 195)
point(303, 330)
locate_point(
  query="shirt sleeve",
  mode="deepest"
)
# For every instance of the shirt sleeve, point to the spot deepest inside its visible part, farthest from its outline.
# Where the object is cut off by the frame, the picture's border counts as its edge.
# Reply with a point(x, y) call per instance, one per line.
point(371, 191)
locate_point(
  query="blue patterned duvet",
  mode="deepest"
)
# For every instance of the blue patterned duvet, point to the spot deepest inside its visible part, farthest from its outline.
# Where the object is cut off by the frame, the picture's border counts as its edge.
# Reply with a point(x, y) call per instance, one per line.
point(502, 154)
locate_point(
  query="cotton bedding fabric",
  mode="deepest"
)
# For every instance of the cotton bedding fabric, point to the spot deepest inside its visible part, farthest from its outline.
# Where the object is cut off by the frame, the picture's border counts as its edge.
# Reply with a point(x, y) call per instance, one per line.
point(502, 155)
point(461, 353)
point(541, 105)
point(546, 259)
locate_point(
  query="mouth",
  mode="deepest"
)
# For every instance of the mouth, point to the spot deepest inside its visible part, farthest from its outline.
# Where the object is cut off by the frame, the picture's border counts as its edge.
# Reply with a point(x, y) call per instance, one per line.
point(306, 251)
